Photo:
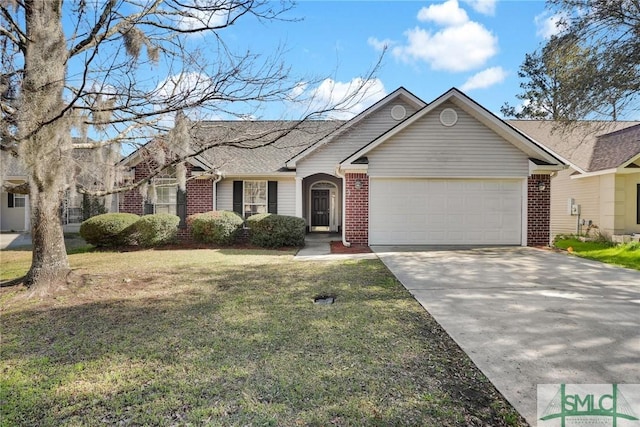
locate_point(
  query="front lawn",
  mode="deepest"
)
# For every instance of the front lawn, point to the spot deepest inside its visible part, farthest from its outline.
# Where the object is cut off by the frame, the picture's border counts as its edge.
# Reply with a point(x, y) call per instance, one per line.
point(230, 337)
point(627, 255)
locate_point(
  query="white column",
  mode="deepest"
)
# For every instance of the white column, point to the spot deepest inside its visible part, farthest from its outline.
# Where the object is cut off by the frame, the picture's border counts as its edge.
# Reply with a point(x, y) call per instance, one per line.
point(299, 197)
point(27, 213)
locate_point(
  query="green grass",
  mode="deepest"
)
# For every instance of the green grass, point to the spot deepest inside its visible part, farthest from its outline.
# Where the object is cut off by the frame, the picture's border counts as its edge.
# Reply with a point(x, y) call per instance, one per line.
point(626, 255)
point(229, 337)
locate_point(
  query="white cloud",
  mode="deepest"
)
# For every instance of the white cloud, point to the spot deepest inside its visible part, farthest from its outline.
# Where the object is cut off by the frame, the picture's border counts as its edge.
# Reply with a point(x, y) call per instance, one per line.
point(485, 79)
point(380, 45)
point(298, 91)
point(200, 17)
point(446, 14)
point(485, 7)
point(547, 25)
point(460, 45)
point(184, 87)
point(456, 48)
point(330, 94)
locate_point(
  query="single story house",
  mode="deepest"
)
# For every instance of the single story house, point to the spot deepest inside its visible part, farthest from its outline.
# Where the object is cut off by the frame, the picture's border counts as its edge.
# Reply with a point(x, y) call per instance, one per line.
point(401, 172)
point(600, 189)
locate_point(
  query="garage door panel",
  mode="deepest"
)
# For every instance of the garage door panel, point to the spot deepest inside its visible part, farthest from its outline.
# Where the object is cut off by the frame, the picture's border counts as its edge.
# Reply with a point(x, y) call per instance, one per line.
point(431, 211)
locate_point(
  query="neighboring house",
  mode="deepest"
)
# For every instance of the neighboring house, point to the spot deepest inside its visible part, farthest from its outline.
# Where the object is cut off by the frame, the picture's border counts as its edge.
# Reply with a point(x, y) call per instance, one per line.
point(600, 190)
point(401, 172)
point(14, 208)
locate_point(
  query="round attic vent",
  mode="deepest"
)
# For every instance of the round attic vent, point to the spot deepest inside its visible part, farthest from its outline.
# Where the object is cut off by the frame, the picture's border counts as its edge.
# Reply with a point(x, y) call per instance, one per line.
point(448, 117)
point(398, 112)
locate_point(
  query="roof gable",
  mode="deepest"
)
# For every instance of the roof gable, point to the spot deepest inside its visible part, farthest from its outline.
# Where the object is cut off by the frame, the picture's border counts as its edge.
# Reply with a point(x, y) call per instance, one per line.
point(400, 93)
point(482, 115)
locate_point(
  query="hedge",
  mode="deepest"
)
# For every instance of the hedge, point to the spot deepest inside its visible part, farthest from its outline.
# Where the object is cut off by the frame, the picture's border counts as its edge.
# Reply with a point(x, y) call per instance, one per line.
point(276, 231)
point(110, 229)
point(218, 227)
point(156, 229)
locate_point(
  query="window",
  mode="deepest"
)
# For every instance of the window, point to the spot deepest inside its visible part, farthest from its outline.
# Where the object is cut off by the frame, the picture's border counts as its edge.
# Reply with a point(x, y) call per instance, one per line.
point(167, 198)
point(252, 197)
point(16, 200)
point(255, 198)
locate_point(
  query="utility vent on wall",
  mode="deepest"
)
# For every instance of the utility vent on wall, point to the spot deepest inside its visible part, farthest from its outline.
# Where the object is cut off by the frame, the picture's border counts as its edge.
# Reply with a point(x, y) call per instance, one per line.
point(448, 117)
point(398, 112)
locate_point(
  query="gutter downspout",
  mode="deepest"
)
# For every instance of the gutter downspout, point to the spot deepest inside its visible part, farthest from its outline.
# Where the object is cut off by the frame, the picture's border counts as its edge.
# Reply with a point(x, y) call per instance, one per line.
point(344, 206)
point(214, 189)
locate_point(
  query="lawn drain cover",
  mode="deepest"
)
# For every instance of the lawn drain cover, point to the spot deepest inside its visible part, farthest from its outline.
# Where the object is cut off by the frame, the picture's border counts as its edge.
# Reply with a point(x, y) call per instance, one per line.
point(324, 299)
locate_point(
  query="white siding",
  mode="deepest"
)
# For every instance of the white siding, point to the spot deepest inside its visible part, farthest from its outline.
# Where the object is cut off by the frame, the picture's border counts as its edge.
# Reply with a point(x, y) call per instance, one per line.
point(287, 197)
point(326, 158)
point(224, 195)
point(286, 194)
point(428, 149)
point(11, 218)
point(630, 200)
point(584, 191)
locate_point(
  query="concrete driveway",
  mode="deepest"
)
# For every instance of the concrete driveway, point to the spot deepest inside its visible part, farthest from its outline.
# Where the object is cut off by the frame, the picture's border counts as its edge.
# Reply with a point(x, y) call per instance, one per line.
point(529, 316)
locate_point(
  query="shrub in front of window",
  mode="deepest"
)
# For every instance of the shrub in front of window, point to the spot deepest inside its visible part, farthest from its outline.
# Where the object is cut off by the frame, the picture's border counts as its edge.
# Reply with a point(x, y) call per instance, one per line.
point(110, 229)
point(276, 231)
point(218, 227)
point(155, 230)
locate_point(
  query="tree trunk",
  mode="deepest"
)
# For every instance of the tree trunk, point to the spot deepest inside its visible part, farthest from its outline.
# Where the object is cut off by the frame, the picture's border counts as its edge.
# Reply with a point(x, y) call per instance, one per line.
point(46, 145)
point(49, 265)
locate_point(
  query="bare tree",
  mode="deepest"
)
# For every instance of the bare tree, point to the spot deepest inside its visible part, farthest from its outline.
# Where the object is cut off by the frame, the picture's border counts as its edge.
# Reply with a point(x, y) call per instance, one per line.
point(96, 74)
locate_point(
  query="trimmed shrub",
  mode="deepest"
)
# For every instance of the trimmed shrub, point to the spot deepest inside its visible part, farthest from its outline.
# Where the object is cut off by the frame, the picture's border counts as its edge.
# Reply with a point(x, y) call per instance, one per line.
point(218, 227)
point(110, 229)
point(156, 229)
point(275, 231)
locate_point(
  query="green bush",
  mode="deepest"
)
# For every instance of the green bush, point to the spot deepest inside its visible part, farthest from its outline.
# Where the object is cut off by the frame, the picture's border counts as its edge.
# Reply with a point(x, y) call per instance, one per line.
point(219, 227)
point(156, 229)
point(276, 231)
point(110, 229)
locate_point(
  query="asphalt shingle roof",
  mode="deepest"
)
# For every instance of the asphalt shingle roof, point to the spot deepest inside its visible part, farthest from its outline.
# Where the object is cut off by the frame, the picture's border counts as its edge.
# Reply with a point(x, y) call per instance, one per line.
point(248, 147)
point(591, 146)
point(616, 148)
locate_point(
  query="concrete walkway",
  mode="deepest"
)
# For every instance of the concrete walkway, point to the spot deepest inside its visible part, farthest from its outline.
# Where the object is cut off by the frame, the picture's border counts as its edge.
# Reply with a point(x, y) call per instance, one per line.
point(318, 248)
point(14, 240)
point(528, 316)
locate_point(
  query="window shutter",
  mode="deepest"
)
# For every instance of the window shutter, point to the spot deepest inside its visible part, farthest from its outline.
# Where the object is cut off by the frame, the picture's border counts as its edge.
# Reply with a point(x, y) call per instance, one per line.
point(237, 197)
point(181, 207)
point(10, 200)
point(148, 208)
point(272, 197)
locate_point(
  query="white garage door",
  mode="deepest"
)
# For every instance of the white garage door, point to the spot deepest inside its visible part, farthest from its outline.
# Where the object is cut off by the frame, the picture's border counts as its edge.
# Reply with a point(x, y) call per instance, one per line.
point(445, 212)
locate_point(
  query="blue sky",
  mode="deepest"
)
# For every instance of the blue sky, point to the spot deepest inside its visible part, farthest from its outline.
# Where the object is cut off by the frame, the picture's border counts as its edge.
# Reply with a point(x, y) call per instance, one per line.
point(476, 46)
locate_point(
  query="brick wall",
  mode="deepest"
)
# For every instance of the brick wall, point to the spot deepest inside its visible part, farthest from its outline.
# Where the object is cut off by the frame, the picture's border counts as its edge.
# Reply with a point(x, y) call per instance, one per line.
point(199, 199)
point(199, 195)
point(538, 211)
point(357, 209)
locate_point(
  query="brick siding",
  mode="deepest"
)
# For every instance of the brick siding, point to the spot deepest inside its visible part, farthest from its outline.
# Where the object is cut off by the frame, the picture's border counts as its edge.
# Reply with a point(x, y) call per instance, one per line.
point(538, 211)
point(357, 209)
point(199, 195)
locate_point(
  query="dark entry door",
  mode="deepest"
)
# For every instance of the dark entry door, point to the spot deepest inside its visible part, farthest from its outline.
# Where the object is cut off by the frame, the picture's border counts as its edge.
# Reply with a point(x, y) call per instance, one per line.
point(319, 208)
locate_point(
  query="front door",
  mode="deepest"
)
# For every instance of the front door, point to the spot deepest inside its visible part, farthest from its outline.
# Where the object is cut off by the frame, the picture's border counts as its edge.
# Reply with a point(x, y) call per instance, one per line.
point(320, 210)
